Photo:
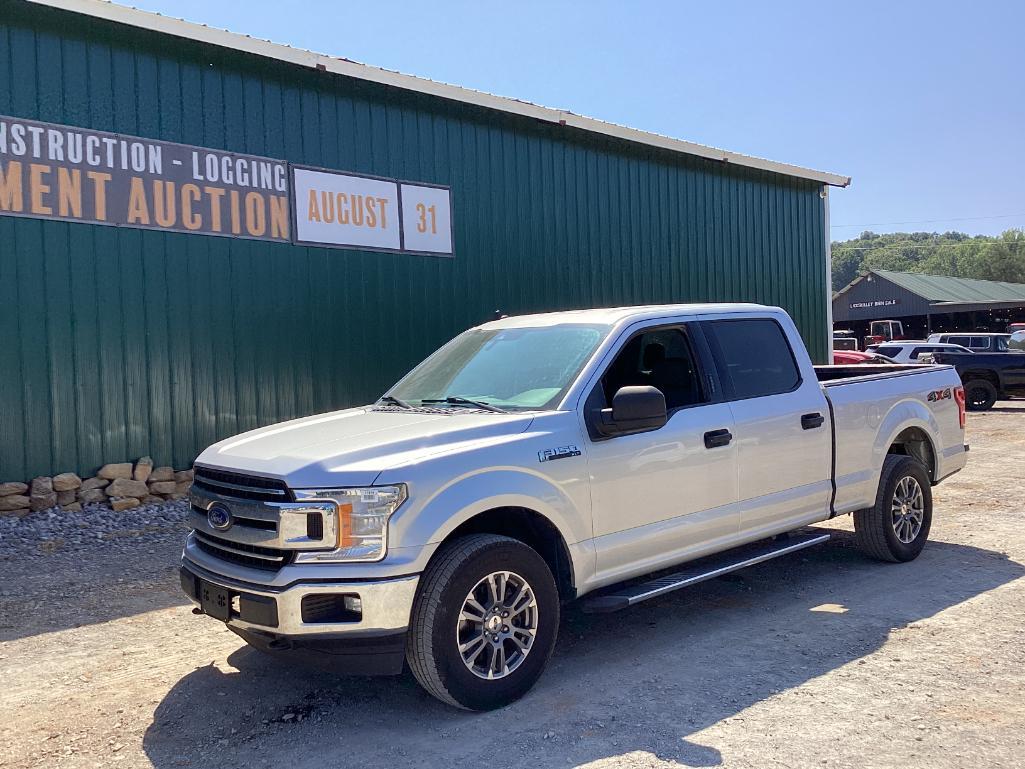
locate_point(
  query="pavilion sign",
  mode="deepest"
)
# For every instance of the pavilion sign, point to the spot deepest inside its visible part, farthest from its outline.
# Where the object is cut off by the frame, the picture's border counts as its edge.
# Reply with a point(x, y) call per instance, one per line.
point(60, 172)
point(874, 303)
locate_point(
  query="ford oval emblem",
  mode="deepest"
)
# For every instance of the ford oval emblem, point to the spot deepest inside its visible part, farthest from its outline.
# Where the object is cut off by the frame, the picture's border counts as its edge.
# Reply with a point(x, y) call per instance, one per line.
point(219, 517)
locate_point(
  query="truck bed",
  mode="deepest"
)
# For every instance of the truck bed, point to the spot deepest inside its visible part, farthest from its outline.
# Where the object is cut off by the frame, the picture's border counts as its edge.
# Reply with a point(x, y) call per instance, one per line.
point(869, 404)
point(833, 375)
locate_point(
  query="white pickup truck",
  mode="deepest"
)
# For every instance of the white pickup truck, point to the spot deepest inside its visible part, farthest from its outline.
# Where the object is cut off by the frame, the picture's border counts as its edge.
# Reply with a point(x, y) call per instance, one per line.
point(615, 454)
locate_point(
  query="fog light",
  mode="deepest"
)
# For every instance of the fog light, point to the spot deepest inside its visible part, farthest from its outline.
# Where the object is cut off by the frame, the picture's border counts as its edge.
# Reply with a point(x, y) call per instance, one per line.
point(331, 607)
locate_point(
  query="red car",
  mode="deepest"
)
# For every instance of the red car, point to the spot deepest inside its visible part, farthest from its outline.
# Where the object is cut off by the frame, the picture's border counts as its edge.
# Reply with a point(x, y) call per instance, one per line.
point(851, 357)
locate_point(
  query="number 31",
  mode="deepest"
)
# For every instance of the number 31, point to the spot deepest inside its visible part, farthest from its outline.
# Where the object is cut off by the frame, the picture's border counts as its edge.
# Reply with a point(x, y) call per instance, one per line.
point(422, 212)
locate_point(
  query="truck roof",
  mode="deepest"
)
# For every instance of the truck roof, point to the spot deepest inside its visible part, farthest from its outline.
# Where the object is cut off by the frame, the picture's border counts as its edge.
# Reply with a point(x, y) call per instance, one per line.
point(614, 315)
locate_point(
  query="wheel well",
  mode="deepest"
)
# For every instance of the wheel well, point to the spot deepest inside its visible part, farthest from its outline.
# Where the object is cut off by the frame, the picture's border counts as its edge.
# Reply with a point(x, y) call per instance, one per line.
point(987, 376)
point(532, 529)
point(914, 442)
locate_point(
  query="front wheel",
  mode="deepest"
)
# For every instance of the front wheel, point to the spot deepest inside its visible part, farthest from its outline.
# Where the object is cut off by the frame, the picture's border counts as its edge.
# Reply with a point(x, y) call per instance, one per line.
point(484, 622)
point(896, 528)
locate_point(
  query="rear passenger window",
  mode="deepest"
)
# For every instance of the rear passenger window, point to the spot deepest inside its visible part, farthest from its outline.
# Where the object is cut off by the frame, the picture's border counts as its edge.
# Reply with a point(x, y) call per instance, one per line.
point(757, 357)
point(964, 341)
point(889, 352)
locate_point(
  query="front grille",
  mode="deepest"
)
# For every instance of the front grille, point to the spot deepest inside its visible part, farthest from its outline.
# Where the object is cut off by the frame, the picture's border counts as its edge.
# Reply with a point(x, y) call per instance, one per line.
point(254, 556)
point(243, 520)
point(242, 486)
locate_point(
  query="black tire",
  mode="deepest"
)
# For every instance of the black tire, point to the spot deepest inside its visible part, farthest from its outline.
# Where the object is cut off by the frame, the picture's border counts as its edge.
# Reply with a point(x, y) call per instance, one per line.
point(980, 395)
point(874, 527)
point(431, 643)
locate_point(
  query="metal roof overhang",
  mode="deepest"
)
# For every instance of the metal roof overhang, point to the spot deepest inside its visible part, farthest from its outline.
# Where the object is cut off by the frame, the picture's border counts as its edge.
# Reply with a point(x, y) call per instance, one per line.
point(936, 308)
point(154, 22)
point(974, 306)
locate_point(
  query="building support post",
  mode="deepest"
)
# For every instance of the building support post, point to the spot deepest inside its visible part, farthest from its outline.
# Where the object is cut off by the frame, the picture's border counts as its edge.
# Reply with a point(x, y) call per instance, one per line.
point(829, 275)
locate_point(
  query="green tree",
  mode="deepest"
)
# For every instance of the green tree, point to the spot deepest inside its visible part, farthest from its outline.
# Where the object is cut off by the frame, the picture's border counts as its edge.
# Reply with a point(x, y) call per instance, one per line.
point(1003, 259)
point(951, 253)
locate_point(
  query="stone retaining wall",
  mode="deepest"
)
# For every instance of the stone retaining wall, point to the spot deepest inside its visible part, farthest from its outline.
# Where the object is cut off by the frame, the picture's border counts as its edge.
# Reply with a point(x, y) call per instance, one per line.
point(121, 485)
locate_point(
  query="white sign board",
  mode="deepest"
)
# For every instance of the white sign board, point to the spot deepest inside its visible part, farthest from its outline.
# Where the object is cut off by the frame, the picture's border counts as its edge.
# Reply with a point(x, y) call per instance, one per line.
point(343, 210)
point(426, 219)
point(349, 211)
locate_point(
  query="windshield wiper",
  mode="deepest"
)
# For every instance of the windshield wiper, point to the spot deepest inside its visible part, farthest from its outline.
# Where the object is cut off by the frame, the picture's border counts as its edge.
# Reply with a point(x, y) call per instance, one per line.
point(459, 400)
point(394, 401)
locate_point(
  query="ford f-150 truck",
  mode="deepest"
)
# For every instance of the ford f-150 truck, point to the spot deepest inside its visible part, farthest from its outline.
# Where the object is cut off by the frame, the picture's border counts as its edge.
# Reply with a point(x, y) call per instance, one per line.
point(608, 455)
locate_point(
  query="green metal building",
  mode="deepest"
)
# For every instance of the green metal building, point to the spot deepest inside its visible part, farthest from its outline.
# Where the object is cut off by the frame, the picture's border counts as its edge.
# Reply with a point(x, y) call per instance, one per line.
point(144, 339)
point(926, 303)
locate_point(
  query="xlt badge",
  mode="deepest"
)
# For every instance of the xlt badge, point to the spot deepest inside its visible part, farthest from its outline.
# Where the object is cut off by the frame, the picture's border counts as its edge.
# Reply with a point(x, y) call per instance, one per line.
point(547, 455)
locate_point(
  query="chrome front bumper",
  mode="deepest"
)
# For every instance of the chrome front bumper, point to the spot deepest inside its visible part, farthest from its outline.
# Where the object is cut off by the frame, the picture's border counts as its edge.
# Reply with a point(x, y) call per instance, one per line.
point(385, 604)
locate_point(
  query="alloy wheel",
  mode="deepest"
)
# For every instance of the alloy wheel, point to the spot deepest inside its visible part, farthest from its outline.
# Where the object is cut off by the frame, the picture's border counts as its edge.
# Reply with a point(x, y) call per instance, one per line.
point(497, 625)
point(907, 509)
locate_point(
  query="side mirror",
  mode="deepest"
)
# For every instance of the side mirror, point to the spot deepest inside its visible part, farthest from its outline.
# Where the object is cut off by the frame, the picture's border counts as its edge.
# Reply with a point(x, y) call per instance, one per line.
point(635, 409)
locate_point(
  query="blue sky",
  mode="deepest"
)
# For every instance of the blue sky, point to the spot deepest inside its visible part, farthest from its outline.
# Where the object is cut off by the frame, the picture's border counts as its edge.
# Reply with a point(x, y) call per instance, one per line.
point(922, 103)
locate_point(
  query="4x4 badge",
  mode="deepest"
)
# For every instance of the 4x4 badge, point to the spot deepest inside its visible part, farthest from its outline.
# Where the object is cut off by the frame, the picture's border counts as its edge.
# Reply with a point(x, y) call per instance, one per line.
point(547, 455)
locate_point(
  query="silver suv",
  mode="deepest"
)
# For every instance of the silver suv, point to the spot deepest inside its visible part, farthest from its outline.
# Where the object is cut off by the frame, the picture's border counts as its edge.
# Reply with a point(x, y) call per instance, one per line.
point(975, 342)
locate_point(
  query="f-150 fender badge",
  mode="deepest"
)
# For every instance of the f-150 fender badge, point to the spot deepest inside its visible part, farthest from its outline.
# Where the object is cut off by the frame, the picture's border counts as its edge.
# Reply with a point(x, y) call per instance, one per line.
point(940, 395)
point(562, 452)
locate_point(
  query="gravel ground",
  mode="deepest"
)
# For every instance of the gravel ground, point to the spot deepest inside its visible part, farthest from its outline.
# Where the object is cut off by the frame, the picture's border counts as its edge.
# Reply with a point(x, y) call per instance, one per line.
point(55, 530)
point(821, 659)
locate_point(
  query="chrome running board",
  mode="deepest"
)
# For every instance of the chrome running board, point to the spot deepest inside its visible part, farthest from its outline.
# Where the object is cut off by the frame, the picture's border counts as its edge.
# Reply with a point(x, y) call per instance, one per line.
point(699, 571)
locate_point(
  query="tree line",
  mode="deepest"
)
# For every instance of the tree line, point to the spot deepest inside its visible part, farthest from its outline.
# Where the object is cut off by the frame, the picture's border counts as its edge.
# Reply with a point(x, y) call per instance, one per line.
point(953, 253)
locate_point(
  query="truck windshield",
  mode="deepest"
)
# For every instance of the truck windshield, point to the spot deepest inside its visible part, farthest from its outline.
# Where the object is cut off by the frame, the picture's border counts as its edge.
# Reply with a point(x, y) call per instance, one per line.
point(510, 368)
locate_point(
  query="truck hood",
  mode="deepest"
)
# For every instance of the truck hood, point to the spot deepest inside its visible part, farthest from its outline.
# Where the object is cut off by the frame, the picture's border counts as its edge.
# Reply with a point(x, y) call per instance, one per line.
point(353, 447)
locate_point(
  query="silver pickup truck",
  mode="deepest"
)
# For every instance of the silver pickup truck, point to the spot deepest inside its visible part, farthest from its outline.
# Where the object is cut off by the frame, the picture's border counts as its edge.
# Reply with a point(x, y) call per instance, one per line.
point(608, 455)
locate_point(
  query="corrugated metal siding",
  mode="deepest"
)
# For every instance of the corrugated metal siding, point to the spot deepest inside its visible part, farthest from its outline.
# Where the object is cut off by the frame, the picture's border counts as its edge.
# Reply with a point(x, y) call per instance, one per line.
point(116, 343)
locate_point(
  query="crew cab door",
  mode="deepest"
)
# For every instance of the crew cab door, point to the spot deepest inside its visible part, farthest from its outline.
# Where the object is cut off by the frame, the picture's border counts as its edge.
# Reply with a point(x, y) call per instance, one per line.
point(781, 422)
point(659, 495)
point(1012, 372)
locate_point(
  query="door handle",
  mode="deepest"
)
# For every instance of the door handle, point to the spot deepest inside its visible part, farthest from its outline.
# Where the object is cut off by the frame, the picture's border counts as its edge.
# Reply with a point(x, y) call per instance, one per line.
point(811, 421)
point(716, 438)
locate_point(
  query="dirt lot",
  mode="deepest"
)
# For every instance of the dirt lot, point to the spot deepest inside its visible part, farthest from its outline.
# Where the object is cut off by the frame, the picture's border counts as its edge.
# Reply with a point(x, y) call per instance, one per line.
point(823, 659)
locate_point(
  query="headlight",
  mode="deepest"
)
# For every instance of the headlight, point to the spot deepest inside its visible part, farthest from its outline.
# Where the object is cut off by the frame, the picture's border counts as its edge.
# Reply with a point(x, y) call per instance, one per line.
point(362, 522)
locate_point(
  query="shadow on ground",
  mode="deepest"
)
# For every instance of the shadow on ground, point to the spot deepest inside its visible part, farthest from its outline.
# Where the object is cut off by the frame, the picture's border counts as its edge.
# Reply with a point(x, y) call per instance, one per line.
point(640, 680)
point(94, 585)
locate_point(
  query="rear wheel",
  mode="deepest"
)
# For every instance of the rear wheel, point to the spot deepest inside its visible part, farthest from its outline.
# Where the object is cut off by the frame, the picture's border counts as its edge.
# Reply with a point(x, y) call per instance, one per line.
point(484, 622)
point(980, 395)
point(896, 528)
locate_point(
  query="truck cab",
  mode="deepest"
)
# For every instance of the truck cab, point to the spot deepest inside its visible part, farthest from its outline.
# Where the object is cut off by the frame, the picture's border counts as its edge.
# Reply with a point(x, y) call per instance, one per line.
point(880, 331)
